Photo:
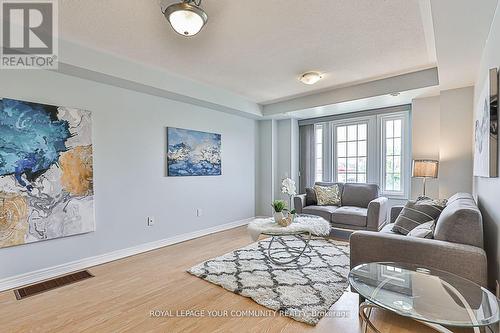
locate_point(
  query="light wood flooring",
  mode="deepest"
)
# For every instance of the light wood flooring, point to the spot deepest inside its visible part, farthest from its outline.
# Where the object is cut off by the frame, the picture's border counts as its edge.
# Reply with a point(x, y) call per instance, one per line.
point(121, 295)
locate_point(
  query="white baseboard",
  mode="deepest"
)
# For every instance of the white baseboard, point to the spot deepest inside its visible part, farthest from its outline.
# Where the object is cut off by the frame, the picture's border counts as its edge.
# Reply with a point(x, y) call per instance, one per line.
point(51, 272)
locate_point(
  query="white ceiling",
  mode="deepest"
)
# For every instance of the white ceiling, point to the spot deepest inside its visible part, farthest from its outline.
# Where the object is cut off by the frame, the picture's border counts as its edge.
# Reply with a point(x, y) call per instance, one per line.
point(369, 103)
point(461, 28)
point(258, 48)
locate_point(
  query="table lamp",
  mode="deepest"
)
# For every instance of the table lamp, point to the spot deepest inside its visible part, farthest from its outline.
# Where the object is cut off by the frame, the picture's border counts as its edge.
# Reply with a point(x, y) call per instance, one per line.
point(425, 169)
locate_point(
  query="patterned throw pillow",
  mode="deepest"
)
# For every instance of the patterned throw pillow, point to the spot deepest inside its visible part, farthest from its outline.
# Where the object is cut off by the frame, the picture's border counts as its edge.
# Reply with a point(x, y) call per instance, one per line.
point(425, 230)
point(414, 214)
point(429, 201)
point(327, 195)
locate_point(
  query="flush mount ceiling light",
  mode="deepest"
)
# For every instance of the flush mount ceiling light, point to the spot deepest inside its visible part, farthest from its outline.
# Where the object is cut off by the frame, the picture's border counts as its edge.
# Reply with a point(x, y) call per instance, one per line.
point(310, 77)
point(186, 17)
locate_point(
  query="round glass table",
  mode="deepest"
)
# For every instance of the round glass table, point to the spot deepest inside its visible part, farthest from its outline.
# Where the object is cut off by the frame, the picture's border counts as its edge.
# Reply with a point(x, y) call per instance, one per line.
point(433, 297)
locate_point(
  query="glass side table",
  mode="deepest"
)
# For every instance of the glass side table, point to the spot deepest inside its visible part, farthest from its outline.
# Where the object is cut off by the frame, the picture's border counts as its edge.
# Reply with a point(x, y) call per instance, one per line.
point(430, 296)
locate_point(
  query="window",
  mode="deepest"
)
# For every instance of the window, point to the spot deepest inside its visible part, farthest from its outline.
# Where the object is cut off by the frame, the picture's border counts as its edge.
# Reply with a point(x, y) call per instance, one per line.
point(395, 274)
point(372, 147)
point(351, 153)
point(318, 153)
point(393, 154)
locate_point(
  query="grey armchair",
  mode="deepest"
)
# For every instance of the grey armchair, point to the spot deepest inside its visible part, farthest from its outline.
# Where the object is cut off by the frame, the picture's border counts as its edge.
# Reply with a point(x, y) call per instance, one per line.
point(361, 207)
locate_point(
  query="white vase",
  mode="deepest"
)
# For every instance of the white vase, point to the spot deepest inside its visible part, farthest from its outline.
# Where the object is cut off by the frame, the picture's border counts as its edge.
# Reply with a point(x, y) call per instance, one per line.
point(278, 216)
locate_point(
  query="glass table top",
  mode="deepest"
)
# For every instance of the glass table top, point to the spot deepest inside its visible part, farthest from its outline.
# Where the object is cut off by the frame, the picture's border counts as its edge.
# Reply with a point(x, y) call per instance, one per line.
point(424, 294)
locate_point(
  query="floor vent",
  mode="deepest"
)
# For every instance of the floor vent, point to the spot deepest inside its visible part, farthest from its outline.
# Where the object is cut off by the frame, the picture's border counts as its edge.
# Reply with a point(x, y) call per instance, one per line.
point(44, 286)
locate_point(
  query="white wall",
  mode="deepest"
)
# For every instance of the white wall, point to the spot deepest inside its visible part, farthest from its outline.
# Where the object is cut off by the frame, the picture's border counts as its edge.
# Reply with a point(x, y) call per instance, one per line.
point(278, 156)
point(294, 151)
point(425, 140)
point(488, 189)
point(129, 169)
point(441, 129)
point(265, 161)
point(455, 151)
point(284, 155)
point(287, 155)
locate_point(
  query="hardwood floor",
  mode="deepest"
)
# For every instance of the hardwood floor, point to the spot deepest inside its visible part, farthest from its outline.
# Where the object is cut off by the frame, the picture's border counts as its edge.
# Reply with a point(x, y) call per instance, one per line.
point(123, 293)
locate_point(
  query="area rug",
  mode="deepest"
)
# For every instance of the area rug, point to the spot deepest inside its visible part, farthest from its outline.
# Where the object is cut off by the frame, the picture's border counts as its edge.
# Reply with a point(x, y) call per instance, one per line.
point(304, 293)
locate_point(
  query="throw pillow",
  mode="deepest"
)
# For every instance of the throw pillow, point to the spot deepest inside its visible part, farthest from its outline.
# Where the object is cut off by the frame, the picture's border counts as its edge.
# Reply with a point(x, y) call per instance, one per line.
point(425, 230)
point(311, 197)
point(327, 195)
point(429, 201)
point(414, 214)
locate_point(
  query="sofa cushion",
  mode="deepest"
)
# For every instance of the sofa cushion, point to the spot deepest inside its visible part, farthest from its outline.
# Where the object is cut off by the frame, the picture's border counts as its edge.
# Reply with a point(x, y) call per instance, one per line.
point(327, 195)
point(323, 211)
point(350, 215)
point(311, 197)
point(425, 230)
point(460, 195)
point(359, 195)
point(460, 222)
point(415, 213)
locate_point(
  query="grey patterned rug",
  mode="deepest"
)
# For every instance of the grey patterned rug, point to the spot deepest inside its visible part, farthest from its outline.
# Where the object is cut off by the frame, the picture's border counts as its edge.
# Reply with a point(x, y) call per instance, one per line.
point(304, 293)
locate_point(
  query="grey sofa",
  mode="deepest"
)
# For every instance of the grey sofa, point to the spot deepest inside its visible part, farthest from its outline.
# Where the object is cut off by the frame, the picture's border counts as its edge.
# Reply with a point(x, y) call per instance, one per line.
point(361, 207)
point(457, 246)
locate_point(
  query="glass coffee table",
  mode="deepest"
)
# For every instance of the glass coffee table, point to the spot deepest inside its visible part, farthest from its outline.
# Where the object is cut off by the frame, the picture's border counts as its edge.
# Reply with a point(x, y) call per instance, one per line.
point(430, 296)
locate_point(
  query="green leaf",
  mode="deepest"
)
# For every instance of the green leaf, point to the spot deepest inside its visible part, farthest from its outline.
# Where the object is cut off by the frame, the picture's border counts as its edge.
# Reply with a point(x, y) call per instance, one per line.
point(278, 205)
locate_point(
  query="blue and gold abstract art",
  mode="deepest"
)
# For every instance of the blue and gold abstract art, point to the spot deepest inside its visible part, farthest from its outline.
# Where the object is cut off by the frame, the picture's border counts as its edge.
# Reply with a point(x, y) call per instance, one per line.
point(46, 172)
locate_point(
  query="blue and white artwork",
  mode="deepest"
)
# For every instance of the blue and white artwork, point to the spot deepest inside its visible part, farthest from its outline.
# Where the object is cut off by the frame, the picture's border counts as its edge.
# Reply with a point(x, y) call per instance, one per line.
point(193, 153)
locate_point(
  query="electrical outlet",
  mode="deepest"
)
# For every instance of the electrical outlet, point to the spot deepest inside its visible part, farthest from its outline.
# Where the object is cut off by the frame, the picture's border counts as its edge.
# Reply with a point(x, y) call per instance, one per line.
point(150, 221)
point(199, 212)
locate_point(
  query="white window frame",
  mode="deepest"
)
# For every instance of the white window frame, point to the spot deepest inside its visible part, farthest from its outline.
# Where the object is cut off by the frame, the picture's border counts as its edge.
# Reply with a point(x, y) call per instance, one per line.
point(334, 156)
point(375, 150)
point(324, 129)
point(405, 153)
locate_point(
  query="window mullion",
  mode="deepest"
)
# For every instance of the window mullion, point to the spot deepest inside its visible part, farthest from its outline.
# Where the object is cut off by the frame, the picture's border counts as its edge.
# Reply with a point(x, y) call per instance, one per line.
point(335, 157)
point(329, 153)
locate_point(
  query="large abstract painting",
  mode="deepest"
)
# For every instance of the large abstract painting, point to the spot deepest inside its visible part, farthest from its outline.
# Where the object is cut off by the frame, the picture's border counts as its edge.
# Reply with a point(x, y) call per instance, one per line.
point(486, 129)
point(193, 153)
point(46, 173)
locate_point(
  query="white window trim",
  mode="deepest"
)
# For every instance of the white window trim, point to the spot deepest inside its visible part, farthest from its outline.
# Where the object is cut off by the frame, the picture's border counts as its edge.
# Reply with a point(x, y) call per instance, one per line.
point(334, 157)
point(405, 153)
point(324, 134)
point(375, 150)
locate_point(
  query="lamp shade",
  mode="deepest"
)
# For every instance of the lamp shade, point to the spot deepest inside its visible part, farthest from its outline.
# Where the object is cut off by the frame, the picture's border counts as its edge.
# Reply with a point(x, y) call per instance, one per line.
point(425, 168)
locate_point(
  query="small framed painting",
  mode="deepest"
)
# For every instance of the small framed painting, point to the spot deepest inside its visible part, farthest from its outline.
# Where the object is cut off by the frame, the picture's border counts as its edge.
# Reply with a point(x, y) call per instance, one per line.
point(193, 153)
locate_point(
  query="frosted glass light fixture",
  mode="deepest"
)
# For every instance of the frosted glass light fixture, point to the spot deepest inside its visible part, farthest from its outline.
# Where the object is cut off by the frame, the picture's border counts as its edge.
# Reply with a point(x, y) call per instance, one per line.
point(310, 77)
point(186, 17)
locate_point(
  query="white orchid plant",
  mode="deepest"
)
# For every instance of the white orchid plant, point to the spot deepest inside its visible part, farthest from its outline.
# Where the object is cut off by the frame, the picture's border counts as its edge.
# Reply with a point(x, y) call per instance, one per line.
point(289, 188)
